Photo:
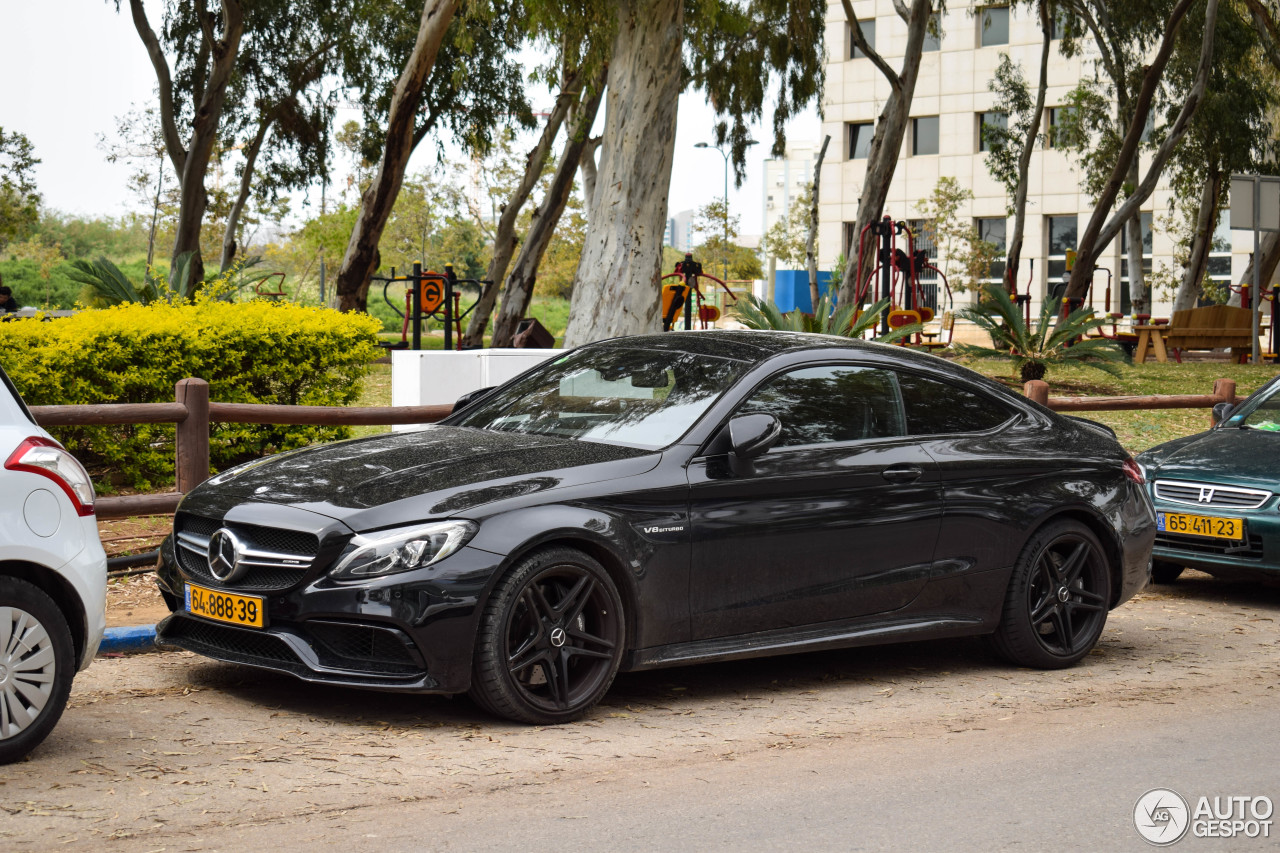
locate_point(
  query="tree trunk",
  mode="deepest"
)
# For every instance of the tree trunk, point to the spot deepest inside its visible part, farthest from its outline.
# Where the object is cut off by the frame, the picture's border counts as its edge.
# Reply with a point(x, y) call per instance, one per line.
point(504, 238)
point(886, 141)
point(519, 290)
point(810, 244)
point(1137, 274)
point(1014, 257)
point(192, 162)
point(1101, 230)
point(1269, 249)
point(614, 290)
point(589, 170)
point(1201, 244)
point(361, 259)
point(242, 198)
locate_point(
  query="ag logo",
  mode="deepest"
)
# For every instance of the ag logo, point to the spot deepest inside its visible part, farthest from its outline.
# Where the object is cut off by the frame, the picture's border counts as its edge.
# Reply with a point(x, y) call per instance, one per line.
point(1161, 816)
point(225, 552)
point(431, 296)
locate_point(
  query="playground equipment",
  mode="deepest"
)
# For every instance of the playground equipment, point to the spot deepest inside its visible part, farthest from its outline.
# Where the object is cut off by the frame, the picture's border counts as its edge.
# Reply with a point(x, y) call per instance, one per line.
point(269, 286)
point(679, 298)
point(899, 274)
point(1246, 297)
point(430, 294)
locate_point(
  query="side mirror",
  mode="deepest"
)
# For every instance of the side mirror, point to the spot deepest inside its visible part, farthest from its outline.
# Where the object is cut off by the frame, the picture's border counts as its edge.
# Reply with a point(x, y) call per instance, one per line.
point(751, 436)
point(1221, 412)
point(470, 397)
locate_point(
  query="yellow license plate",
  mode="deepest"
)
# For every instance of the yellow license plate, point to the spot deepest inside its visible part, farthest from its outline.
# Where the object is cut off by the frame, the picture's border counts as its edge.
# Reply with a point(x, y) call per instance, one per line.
point(248, 610)
point(1201, 525)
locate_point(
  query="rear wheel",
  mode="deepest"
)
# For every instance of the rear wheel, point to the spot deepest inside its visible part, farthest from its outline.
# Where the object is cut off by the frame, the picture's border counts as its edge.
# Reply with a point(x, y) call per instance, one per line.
point(551, 639)
point(1056, 605)
point(1162, 572)
point(37, 664)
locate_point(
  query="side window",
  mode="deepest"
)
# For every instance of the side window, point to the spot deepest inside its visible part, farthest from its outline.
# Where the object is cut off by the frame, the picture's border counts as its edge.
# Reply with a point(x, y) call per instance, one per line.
point(832, 403)
point(938, 408)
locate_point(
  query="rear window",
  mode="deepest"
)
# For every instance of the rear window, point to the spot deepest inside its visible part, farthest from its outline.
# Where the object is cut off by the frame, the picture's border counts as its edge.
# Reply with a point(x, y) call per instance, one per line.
point(6, 387)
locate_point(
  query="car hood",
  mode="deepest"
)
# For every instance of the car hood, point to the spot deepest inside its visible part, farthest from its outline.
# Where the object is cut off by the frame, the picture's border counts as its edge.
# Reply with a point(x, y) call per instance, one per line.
point(444, 469)
point(1241, 457)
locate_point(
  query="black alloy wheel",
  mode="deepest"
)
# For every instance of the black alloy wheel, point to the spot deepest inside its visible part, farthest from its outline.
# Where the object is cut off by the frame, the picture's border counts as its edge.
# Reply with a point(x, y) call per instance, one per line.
point(1057, 602)
point(551, 639)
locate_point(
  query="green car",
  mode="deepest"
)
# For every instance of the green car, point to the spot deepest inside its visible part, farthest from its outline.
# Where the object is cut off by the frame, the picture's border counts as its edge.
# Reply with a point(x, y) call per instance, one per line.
point(1215, 494)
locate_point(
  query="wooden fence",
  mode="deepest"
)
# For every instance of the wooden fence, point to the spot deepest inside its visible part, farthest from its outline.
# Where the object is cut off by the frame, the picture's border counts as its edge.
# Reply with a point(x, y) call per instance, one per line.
point(192, 412)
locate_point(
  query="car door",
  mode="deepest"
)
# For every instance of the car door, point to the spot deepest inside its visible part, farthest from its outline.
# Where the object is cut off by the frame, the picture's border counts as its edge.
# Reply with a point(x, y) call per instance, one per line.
point(838, 520)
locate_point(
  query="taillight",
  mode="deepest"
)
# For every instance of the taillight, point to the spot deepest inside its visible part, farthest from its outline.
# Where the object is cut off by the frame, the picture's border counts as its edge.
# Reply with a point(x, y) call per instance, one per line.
point(1133, 471)
point(41, 456)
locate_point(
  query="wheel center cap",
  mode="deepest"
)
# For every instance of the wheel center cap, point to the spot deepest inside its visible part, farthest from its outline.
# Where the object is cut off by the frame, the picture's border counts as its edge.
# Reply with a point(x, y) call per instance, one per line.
point(558, 637)
point(1063, 593)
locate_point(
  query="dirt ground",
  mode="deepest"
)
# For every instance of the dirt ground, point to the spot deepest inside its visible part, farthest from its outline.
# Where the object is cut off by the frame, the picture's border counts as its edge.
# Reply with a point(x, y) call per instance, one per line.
point(160, 751)
point(134, 600)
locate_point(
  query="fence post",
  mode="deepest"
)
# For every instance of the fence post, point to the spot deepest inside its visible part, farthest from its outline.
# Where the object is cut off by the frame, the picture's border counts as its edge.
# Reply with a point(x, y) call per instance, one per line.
point(1037, 390)
point(192, 464)
point(1224, 391)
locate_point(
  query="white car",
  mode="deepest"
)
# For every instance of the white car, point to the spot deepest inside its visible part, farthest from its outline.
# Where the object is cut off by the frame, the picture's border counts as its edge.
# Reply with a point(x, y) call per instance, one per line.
point(53, 577)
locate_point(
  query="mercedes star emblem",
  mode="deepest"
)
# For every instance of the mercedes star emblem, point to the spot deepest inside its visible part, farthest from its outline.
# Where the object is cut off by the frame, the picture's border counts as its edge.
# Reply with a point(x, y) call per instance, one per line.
point(225, 552)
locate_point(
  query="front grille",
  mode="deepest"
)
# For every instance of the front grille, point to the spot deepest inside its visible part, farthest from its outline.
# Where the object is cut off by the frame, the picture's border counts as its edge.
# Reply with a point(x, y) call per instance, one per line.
point(1250, 550)
point(363, 647)
point(232, 644)
point(1210, 495)
point(278, 559)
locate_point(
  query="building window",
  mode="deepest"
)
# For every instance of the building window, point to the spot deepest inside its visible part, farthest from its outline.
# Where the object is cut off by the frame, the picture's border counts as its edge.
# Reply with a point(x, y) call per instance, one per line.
point(993, 231)
point(993, 25)
point(1060, 25)
point(924, 135)
point(1220, 255)
point(868, 32)
point(1062, 238)
point(926, 248)
point(860, 140)
point(1056, 136)
point(993, 120)
point(933, 35)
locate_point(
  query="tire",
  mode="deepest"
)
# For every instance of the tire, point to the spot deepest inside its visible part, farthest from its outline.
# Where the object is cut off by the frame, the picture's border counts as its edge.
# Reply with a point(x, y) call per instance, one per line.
point(1056, 605)
point(551, 639)
point(37, 664)
point(1162, 572)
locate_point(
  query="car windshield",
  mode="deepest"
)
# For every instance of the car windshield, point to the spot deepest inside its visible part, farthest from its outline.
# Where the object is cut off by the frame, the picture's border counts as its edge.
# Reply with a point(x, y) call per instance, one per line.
point(632, 397)
point(1261, 411)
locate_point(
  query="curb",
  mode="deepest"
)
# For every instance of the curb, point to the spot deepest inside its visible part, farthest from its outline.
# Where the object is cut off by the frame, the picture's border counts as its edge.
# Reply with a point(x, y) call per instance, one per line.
point(124, 641)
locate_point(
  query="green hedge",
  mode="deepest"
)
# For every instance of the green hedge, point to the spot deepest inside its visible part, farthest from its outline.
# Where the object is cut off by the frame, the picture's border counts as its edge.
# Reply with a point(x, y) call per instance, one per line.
point(251, 352)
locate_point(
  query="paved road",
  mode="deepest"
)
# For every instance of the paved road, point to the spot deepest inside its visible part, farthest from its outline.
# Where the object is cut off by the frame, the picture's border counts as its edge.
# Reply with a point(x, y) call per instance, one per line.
point(926, 746)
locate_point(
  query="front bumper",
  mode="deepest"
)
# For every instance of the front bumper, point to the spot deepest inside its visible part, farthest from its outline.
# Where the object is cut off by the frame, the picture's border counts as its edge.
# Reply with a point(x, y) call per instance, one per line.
point(1259, 553)
point(413, 632)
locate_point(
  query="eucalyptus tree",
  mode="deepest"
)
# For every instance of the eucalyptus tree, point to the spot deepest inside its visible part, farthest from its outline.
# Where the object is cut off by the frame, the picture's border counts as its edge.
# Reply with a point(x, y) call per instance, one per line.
point(1111, 158)
point(891, 126)
point(1010, 145)
point(739, 54)
point(19, 199)
point(446, 68)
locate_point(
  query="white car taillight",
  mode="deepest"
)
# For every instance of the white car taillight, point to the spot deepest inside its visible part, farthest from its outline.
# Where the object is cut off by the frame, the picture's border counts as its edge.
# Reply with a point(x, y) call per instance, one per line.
point(41, 456)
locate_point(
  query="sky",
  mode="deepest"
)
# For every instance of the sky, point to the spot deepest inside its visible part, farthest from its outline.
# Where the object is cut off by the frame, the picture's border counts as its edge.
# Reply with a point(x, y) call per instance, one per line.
point(68, 68)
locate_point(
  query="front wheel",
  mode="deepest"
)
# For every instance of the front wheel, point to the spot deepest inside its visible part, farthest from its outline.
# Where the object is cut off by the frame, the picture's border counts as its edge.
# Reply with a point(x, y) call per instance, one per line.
point(1056, 605)
point(36, 667)
point(551, 639)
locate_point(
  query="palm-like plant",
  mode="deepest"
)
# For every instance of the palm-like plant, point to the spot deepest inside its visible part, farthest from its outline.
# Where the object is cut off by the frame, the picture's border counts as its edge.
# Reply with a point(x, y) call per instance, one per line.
point(828, 319)
point(1032, 350)
point(113, 287)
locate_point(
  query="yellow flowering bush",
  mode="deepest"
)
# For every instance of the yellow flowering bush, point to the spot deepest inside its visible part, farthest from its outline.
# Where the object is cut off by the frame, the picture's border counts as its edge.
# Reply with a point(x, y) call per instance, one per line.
point(249, 352)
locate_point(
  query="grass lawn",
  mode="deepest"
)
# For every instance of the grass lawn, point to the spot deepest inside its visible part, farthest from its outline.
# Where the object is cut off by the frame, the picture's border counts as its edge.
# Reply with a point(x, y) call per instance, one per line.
point(1137, 430)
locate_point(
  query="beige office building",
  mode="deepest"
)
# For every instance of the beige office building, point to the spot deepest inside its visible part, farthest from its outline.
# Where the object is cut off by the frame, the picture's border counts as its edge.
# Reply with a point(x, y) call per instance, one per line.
point(943, 139)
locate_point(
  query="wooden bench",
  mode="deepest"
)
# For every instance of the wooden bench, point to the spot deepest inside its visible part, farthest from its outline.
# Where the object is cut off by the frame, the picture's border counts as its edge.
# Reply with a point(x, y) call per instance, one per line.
point(1211, 327)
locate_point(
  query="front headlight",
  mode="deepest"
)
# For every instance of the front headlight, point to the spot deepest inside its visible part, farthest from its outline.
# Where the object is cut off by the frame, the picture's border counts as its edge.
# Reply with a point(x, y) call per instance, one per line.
point(371, 555)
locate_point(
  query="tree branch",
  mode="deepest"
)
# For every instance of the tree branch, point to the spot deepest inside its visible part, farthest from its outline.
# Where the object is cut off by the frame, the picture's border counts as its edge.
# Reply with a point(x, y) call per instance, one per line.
point(860, 39)
point(168, 123)
point(903, 12)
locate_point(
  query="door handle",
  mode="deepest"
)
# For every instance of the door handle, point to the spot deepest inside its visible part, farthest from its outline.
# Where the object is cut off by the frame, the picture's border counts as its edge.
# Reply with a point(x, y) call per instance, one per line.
point(902, 473)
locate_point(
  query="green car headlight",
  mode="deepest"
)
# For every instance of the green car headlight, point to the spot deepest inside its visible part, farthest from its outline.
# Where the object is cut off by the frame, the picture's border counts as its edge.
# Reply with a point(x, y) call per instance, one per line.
point(388, 552)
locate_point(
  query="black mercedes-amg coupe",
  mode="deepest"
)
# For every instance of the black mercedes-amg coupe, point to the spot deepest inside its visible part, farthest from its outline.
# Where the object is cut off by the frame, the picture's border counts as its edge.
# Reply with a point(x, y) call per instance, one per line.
point(665, 500)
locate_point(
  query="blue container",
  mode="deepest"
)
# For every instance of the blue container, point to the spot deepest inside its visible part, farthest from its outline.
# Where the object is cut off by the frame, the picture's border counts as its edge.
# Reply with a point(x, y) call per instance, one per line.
point(791, 290)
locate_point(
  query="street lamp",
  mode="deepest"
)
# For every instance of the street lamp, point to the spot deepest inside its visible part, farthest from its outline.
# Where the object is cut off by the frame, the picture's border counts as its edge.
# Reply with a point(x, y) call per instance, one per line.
point(726, 198)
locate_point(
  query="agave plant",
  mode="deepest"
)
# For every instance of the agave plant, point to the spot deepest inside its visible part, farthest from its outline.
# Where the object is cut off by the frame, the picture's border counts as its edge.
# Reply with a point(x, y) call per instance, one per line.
point(1033, 349)
point(113, 287)
point(828, 319)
